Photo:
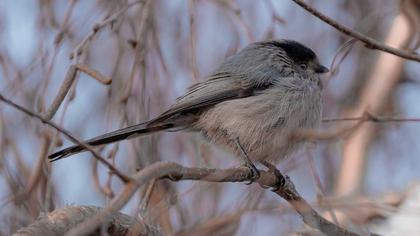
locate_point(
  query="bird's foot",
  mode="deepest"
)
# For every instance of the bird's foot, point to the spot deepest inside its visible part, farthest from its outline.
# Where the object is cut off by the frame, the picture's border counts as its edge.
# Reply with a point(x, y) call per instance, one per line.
point(281, 179)
point(255, 173)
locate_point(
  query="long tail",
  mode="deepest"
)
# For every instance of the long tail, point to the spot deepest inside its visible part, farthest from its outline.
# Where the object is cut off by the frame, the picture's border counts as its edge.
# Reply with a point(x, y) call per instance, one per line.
point(115, 136)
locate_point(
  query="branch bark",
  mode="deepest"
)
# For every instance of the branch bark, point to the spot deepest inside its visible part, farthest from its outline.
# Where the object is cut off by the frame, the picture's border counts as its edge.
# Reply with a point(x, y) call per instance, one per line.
point(272, 178)
point(368, 41)
point(61, 220)
point(28, 112)
point(374, 98)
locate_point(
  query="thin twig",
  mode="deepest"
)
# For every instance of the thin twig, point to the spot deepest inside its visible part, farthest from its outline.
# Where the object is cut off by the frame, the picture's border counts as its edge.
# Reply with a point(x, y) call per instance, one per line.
point(123, 177)
point(95, 176)
point(237, 14)
point(193, 40)
point(37, 169)
point(275, 16)
point(313, 134)
point(146, 197)
point(98, 26)
point(94, 74)
point(57, 41)
point(319, 188)
point(68, 82)
point(368, 41)
point(376, 119)
point(345, 48)
point(140, 49)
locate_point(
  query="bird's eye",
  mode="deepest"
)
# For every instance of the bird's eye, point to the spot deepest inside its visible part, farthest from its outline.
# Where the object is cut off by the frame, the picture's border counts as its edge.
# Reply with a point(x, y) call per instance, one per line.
point(303, 66)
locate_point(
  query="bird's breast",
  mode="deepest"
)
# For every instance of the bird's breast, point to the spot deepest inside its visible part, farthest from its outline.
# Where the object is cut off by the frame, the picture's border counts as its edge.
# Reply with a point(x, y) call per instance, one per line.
point(262, 123)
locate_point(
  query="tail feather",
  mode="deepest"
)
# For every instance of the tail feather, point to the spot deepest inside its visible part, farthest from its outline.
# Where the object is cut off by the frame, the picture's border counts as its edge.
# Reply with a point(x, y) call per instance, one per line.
point(118, 135)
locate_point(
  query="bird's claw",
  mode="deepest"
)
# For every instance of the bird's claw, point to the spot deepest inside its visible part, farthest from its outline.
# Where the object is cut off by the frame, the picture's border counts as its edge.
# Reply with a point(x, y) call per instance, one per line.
point(280, 178)
point(281, 181)
point(255, 173)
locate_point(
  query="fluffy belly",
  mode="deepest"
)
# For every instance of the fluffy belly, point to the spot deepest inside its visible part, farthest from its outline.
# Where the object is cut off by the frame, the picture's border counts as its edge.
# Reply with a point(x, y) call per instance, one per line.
point(262, 124)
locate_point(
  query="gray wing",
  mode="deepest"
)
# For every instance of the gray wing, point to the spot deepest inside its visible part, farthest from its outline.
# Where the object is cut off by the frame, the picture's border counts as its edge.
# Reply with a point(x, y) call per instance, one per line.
point(218, 88)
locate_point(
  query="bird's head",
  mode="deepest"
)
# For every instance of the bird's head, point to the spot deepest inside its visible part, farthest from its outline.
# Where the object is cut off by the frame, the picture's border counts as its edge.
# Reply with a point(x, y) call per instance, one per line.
point(297, 56)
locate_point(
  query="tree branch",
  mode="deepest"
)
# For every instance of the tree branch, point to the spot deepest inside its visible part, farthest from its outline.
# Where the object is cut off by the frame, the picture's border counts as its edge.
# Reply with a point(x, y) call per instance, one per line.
point(282, 186)
point(153, 171)
point(122, 176)
point(71, 75)
point(98, 26)
point(372, 118)
point(61, 220)
point(368, 41)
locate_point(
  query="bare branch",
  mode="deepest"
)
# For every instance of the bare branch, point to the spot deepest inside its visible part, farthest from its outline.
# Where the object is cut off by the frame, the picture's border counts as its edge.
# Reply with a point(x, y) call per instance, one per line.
point(68, 82)
point(123, 177)
point(100, 25)
point(61, 220)
point(155, 170)
point(368, 41)
point(268, 179)
point(372, 118)
point(94, 74)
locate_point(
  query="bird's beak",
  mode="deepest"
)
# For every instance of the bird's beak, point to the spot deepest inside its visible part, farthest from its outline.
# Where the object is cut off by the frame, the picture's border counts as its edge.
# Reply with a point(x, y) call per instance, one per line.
point(321, 69)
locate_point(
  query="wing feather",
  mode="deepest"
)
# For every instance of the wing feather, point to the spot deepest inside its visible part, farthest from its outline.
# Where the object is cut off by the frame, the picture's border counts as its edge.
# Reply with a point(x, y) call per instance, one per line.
point(220, 87)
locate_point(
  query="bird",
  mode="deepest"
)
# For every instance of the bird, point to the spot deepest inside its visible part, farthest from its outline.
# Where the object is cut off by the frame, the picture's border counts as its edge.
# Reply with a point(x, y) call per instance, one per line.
point(250, 105)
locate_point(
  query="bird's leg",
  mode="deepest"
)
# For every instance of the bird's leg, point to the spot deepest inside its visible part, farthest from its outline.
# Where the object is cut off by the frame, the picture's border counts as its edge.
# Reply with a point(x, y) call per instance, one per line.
point(255, 173)
point(281, 179)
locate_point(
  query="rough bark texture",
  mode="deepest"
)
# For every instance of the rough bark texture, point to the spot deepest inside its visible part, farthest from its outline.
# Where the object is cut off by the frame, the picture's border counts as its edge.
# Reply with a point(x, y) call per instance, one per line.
point(60, 221)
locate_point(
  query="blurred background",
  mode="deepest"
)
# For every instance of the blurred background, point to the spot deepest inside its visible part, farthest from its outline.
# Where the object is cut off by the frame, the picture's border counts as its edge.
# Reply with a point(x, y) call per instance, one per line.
point(361, 178)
